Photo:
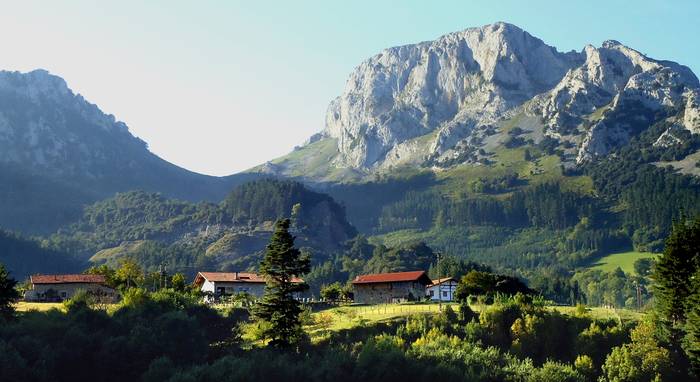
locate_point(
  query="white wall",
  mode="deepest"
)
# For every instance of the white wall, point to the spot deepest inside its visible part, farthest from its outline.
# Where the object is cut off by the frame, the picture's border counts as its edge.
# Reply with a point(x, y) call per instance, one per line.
point(442, 292)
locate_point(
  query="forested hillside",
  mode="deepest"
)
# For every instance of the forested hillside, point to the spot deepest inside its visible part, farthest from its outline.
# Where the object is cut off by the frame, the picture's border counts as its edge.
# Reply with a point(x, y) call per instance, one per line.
point(188, 237)
point(510, 214)
point(59, 152)
point(23, 257)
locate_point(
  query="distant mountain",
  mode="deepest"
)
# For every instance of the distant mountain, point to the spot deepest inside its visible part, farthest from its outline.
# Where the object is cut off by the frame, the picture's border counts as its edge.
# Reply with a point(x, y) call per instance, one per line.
point(188, 237)
point(58, 152)
point(494, 146)
point(486, 144)
point(453, 101)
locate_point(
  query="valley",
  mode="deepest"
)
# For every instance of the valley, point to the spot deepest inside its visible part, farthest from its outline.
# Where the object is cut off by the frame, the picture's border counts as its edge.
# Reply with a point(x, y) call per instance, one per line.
point(480, 206)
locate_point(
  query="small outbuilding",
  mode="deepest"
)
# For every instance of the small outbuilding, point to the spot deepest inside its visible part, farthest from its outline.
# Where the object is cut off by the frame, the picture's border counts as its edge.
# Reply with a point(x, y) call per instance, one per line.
point(390, 287)
point(64, 287)
point(442, 289)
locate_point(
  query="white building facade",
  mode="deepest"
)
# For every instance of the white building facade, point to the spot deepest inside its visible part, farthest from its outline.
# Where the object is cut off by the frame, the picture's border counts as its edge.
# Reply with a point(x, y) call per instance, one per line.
point(442, 289)
point(220, 284)
point(53, 288)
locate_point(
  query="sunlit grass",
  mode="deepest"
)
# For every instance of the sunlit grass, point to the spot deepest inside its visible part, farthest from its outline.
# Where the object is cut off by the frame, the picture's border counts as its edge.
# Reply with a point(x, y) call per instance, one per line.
point(24, 306)
point(350, 316)
point(624, 260)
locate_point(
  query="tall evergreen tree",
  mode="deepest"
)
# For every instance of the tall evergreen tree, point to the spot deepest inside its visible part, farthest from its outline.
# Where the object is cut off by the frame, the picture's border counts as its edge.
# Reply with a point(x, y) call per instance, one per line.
point(280, 266)
point(691, 342)
point(674, 271)
point(8, 294)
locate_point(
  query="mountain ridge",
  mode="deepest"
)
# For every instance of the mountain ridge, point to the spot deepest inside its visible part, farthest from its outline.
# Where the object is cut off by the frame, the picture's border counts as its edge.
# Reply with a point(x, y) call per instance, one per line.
point(50, 135)
point(435, 103)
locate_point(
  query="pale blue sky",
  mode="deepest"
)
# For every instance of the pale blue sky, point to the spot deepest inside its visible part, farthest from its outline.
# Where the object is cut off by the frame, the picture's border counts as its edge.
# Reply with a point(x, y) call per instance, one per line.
point(220, 86)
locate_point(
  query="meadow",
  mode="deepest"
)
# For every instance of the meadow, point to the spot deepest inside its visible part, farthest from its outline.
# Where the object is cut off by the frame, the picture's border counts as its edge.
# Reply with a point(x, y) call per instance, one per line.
point(623, 260)
point(346, 317)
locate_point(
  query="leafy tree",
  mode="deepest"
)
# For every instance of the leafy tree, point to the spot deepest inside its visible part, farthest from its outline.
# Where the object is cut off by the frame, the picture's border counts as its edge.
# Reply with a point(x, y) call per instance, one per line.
point(641, 360)
point(105, 270)
point(281, 264)
point(477, 283)
point(643, 267)
point(332, 292)
point(8, 294)
point(178, 282)
point(129, 273)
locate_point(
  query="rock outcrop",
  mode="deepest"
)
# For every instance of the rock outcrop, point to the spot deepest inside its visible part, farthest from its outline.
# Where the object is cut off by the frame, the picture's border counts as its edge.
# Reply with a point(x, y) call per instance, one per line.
point(450, 90)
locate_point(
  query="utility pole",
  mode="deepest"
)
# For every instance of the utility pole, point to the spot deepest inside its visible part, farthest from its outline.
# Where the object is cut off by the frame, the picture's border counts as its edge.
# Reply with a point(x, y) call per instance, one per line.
point(439, 283)
point(638, 289)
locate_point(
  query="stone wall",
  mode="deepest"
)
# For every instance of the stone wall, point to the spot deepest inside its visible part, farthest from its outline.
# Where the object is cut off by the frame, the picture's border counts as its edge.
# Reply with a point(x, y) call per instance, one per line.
point(378, 293)
point(59, 292)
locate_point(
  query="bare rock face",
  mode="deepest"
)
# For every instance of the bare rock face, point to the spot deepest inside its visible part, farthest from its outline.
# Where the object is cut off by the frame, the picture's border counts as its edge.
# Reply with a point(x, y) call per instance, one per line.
point(451, 90)
point(450, 85)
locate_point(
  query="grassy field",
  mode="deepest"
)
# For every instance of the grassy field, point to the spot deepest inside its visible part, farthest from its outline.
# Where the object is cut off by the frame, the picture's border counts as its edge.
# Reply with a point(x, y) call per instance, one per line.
point(350, 316)
point(23, 306)
point(624, 260)
point(603, 313)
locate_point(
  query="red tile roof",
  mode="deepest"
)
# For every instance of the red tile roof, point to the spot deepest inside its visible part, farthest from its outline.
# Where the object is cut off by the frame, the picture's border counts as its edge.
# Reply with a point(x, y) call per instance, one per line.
point(231, 277)
point(440, 281)
point(67, 279)
point(392, 277)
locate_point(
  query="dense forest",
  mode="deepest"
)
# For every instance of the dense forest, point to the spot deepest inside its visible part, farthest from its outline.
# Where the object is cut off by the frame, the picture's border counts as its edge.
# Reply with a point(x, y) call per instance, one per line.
point(24, 256)
point(168, 335)
point(187, 237)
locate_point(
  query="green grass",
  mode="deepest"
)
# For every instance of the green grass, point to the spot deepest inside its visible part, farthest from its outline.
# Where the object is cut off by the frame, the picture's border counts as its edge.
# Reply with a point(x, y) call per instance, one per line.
point(350, 316)
point(24, 306)
point(115, 253)
point(603, 313)
point(624, 260)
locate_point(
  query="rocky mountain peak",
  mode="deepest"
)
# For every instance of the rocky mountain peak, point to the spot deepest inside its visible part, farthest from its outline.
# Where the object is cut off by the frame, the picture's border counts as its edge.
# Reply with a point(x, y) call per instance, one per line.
point(449, 85)
point(34, 85)
point(449, 91)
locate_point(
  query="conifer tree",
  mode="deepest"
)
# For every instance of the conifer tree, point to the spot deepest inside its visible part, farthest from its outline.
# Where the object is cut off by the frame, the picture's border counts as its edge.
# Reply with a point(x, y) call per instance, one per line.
point(8, 293)
point(674, 272)
point(691, 341)
point(677, 292)
point(278, 308)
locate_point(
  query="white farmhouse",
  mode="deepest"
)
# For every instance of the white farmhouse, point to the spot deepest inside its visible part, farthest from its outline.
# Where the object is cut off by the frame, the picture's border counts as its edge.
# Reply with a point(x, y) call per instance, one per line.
point(63, 287)
point(219, 284)
point(442, 289)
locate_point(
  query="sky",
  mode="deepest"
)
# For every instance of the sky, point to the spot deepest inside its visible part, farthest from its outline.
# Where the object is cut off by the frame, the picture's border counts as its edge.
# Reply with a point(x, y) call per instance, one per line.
point(218, 87)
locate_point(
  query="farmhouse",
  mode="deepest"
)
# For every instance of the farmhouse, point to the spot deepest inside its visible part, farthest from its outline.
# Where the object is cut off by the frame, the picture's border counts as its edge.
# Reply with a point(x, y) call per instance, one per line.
point(63, 287)
point(390, 287)
point(442, 289)
point(220, 284)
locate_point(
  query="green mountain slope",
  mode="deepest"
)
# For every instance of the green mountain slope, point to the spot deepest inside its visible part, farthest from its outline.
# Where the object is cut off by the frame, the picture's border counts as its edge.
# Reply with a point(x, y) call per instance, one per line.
point(59, 152)
point(24, 257)
point(190, 237)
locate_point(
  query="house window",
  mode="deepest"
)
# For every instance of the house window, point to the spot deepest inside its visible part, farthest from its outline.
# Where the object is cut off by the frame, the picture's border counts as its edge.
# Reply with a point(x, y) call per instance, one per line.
point(64, 294)
point(444, 293)
point(432, 293)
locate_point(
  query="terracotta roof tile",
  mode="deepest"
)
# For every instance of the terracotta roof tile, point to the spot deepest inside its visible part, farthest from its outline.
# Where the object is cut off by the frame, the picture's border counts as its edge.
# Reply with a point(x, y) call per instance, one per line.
point(67, 279)
point(440, 281)
point(240, 277)
point(391, 277)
